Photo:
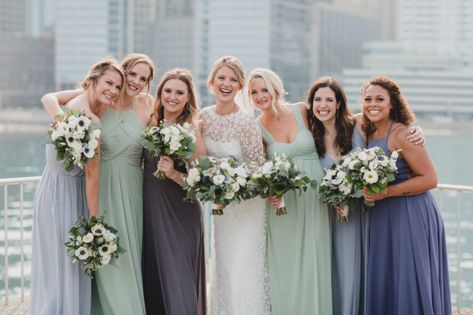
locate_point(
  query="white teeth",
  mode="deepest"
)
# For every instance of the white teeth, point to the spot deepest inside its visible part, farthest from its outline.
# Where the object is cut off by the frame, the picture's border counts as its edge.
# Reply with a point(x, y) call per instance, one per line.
point(323, 112)
point(374, 111)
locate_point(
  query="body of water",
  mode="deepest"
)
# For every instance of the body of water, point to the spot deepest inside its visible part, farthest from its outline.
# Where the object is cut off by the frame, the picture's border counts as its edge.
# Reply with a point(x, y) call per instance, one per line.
point(22, 154)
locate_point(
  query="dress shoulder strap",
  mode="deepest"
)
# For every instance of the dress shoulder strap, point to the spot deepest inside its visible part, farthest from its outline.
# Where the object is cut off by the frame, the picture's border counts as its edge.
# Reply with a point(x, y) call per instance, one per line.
point(298, 116)
point(267, 137)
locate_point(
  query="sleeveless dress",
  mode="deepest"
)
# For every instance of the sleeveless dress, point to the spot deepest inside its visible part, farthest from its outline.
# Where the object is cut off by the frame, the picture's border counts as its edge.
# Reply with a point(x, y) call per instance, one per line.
point(299, 254)
point(407, 257)
point(239, 283)
point(119, 289)
point(58, 286)
point(173, 247)
point(349, 251)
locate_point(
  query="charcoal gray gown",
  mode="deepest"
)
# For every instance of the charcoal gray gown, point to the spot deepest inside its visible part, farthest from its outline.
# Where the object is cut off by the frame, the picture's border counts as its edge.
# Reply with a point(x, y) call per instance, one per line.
point(173, 262)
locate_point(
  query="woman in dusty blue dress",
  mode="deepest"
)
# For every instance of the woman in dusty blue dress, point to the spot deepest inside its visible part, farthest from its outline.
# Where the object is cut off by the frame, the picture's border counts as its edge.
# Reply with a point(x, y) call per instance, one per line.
point(57, 285)
point(299, 253)
point(335, 134)
point(119, 289)
point(407, 259)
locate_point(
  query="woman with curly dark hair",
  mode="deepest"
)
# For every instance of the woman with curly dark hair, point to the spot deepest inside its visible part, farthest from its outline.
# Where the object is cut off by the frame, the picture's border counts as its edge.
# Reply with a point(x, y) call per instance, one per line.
point(407, 257)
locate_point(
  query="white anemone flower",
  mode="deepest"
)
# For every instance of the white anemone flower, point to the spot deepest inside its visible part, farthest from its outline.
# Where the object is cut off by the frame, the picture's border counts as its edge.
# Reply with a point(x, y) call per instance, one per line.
point(82, 253)
point(370, 177)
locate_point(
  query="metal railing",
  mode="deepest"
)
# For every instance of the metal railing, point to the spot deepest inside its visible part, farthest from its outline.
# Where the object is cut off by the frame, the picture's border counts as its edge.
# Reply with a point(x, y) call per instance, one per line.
point(6, 183)
point(19, 201)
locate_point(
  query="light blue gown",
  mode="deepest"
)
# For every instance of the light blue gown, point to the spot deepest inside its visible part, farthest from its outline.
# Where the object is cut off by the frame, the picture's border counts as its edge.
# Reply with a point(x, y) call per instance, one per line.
point(349, 251)
point(57, 286)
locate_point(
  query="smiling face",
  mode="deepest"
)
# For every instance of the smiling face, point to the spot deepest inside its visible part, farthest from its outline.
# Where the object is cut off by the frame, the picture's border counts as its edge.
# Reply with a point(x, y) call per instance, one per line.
point(325, 104)
point(137, 78)
point(174, 96)
point(376, 103)
point(260, 95)
point(225, 85)
point(108, 87)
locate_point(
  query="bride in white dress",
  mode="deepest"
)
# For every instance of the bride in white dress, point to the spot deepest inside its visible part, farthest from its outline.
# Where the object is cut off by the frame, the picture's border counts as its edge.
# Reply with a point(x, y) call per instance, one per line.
point(240, 280)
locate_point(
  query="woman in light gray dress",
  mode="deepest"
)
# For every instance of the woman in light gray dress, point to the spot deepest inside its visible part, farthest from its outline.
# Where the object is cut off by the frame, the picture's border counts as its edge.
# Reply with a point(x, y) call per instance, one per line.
point(57, 285)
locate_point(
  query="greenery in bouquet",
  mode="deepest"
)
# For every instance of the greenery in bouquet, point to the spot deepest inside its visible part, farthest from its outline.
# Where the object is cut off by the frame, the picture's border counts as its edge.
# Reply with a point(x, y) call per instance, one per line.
point(278, 176)
point(173, 140)
point(74, 139)
point(218, 180)
point(93, 244)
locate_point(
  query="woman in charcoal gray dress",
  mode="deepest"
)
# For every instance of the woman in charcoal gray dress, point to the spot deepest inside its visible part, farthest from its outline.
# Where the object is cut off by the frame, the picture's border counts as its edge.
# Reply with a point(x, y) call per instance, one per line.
point(173, 263)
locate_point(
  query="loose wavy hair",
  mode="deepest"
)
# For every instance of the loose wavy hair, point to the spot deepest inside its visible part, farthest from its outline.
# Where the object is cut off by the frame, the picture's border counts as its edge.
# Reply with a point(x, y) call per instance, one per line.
point(96, 72)
point(132, 60)
point(343, 120)
point(192, 107)
point(273, 83)
point(400, 110)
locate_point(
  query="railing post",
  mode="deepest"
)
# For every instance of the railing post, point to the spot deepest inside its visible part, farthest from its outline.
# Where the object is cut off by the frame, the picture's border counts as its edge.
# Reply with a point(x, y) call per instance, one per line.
point(22, 251)
point(458, 251)
point(5, 224)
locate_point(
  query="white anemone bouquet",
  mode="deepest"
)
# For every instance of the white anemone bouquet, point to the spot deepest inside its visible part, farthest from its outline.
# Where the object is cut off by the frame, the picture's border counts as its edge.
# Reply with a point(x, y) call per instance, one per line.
point(278, 176)
point(345, 181)
point(218, 180)
point(74, 139)
point(173, 140)
point(93, 243)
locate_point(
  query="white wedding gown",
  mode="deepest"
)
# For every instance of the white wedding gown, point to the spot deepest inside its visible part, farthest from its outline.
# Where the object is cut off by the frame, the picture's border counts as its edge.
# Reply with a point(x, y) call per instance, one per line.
point(239, 282)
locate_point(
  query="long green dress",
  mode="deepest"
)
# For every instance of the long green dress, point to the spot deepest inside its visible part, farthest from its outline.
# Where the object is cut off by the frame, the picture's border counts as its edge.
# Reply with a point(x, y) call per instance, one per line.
point(299, 243)
point(119, 289)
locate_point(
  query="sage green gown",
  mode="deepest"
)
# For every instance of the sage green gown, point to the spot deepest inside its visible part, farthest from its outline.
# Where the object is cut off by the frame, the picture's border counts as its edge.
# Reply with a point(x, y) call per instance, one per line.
point(299, 243)
point(118, 289)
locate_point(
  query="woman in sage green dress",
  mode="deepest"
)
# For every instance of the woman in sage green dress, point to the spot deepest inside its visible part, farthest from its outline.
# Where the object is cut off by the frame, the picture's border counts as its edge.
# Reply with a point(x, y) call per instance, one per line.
point(119, 289)
point(299, 251)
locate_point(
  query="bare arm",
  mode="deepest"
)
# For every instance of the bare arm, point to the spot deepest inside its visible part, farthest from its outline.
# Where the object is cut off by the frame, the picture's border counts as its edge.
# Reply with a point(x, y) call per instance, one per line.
point(416, 156)
point(92, 183)
point(52, 102)
point(200, 148)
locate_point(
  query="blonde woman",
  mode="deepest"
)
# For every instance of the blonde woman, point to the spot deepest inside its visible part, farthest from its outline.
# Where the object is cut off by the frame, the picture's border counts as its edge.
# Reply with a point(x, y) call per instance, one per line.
point(299, 253)
point(57, 285)
point(239, 285)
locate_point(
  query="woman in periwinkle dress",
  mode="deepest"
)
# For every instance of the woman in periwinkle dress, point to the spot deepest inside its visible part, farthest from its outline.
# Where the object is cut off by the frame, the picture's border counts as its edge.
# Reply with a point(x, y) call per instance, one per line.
point(299, 253)
point(240, 282)
point(173, 236)
point(57, 285)
point(119, 289)
point(407, 257)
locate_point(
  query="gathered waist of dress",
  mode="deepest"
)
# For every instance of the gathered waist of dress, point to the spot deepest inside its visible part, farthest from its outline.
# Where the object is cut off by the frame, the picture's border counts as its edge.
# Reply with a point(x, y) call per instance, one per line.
point(126, 159)
point(306, 157)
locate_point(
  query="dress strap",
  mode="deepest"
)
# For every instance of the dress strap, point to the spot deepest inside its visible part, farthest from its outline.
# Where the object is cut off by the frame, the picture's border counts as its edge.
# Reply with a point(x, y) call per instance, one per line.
point(267, 137)
point(298, 116)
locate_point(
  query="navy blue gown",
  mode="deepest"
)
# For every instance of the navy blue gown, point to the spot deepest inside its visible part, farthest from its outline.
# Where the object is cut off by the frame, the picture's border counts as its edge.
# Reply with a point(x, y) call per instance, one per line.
point(407, 256)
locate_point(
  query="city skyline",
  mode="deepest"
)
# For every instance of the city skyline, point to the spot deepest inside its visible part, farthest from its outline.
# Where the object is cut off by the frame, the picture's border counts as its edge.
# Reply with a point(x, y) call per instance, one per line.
point(300, 40)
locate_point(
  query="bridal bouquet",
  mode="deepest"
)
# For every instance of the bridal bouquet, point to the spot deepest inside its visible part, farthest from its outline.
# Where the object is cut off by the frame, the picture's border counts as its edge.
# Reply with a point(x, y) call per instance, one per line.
point(345, 181)
point(73, 138)
point(220, 181)
point(278, 176)
point(173, 140)
point(93, 243)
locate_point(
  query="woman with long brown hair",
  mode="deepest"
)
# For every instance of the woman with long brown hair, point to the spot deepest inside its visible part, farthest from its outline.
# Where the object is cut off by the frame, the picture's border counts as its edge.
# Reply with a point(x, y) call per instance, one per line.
point(173, 260)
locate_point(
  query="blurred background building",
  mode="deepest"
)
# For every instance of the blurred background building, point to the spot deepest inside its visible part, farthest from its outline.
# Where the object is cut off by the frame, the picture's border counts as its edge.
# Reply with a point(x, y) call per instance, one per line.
point(426, 45)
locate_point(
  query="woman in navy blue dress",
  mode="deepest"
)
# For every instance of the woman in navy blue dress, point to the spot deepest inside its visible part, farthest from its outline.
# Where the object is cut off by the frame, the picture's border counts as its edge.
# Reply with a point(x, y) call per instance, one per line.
point(407, 256)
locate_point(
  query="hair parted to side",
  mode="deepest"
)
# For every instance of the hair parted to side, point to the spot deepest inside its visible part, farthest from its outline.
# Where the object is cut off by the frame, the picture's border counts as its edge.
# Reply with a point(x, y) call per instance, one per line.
point(400, 110)
point(231, 62)
point(96, 72)
point(192, 107)
point(273, 83)
point(133, 59)
point(343, 120)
